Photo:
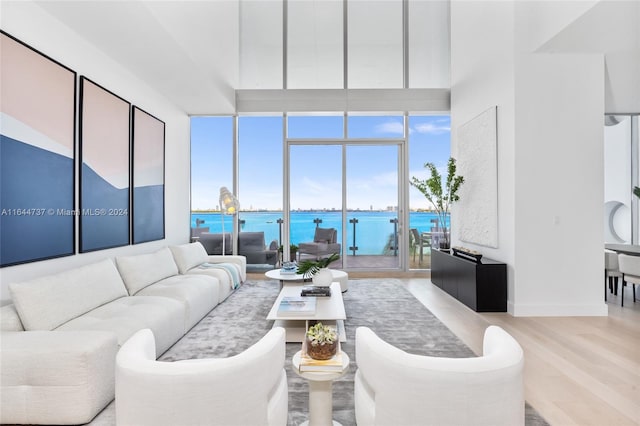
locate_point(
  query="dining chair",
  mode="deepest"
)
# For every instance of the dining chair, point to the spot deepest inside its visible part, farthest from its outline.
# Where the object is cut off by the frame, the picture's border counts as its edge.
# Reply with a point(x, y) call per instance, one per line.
point(630, 269)
point(611, 272)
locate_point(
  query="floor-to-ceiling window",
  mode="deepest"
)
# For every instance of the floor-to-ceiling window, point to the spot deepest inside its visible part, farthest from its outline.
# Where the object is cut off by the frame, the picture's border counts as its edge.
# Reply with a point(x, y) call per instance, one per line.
point(212, 160)
point(324, 172)
point(429, 142)
point(260, 179)
point(345, 176)
point(335, 152)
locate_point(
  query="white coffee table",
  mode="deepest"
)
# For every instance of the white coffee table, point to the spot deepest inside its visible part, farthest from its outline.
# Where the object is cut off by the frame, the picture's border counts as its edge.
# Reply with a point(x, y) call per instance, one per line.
point(320, 391)
point(329, 310)
point(275, 274)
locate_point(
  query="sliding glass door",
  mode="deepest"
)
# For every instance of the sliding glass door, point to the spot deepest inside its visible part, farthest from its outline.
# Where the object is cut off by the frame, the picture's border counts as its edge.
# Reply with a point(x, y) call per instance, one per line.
point(315, 200)
point(373, 231)
point(343, 197)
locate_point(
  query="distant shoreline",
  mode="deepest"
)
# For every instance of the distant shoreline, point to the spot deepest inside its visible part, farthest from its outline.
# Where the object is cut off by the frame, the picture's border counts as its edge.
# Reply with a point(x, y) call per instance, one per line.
point(314, 211)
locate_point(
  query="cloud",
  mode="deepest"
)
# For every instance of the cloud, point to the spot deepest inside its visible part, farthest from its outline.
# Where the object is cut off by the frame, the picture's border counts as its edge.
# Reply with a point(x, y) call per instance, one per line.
point(434, 129)
point(390, 127)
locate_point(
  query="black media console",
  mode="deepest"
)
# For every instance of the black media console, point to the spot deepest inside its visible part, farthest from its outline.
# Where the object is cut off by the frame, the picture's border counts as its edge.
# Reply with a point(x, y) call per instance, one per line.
point(481, 285)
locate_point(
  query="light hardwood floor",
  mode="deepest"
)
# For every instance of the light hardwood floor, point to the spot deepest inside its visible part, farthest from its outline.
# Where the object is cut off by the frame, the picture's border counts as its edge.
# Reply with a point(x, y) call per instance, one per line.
point(578, 370)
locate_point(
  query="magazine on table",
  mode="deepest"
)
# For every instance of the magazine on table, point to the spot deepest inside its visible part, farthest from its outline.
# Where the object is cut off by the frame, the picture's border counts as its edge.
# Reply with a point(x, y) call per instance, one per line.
point(297, 305)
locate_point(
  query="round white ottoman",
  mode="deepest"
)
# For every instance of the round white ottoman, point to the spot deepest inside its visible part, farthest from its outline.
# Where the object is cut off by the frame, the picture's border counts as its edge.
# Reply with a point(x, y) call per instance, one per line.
point(341, 277)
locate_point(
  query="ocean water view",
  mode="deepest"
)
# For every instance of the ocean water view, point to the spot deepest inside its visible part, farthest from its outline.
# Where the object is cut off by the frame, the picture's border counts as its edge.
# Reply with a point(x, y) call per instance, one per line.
point(373, 231)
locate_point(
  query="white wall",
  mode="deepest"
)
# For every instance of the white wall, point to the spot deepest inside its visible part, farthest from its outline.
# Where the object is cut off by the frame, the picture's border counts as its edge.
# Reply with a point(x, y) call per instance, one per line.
point(622, 79)
point(559, 185)
point(608, 27)
point(482, 75)
point(30, 24)
point(550, 177)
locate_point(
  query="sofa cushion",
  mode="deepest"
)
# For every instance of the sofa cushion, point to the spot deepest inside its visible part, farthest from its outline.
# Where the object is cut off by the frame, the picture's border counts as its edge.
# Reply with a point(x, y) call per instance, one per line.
point(163, 315)
point(56, 377)
point(199, 294)
point(189, 256)
point(9, 319)
point(228, 274)
point(145, 269)
point(47, 302)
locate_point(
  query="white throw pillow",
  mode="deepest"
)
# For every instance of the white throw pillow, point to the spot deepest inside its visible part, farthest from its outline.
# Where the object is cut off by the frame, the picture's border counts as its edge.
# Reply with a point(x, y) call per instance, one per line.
point(47, 302)
point(143, 270)
point(9, 319)
point(189, 256)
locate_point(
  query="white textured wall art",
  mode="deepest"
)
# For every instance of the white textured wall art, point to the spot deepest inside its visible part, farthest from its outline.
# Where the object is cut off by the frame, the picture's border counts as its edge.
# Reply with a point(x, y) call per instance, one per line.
point(477, 210)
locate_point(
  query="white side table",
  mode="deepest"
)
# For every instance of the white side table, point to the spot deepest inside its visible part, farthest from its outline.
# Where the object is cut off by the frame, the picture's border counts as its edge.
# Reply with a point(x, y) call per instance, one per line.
point(320, 392)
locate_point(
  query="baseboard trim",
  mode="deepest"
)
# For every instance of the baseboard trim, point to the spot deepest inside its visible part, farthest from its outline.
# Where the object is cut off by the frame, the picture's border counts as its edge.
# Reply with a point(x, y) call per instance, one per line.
point(523, 310)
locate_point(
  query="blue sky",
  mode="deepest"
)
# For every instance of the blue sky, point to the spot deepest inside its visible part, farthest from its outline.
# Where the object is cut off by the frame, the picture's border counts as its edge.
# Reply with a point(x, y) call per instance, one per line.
point(315, 170)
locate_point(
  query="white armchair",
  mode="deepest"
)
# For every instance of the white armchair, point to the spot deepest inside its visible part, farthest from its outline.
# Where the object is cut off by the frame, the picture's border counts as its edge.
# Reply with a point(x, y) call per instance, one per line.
point(395, 388)
point(247, 389)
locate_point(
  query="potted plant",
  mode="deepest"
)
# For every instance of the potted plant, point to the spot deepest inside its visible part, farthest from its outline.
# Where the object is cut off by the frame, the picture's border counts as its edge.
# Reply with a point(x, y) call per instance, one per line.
point(293, 249)
point(440, 197)
point(317, 270)
point(321, 341)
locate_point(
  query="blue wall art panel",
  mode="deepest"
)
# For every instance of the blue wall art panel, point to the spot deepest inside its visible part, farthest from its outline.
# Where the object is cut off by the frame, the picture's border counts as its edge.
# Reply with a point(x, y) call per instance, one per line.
point(37, 113)
point(104, 175)
point(148, 177)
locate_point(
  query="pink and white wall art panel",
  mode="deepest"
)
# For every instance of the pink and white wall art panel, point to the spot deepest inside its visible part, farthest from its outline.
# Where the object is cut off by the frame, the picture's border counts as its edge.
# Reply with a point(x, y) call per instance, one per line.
point(37, 138)
point(148, 177)
point(104, 177)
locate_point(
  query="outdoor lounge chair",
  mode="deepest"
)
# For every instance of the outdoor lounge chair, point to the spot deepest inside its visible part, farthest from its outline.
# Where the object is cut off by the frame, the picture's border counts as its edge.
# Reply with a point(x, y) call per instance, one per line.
point(252, 246)
point(324, 243)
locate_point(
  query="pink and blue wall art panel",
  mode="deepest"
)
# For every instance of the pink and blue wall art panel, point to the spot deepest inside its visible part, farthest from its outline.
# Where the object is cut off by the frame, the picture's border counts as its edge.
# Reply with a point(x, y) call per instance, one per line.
point(148, 177)
point(105, 120)
point(37, 136)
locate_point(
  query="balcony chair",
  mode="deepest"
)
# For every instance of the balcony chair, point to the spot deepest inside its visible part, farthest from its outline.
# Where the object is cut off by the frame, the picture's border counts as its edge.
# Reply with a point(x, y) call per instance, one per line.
point(324, 243)
point(196, 232)
point(212, 243)
point(393, 387)
point(246, 389)
point(420, 241)
point(252, 246)
point(630, 268)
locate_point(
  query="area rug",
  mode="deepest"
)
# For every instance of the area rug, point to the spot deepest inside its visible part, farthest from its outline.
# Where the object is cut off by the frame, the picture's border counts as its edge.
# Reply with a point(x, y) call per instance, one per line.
point(384, 305)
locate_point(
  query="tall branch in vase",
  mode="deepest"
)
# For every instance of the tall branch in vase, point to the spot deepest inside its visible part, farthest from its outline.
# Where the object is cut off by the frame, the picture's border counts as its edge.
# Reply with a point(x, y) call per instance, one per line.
point(441, 198)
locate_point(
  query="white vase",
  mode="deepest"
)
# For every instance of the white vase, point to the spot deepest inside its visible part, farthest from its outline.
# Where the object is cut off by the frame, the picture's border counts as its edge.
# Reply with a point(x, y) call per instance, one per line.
point(322, 278)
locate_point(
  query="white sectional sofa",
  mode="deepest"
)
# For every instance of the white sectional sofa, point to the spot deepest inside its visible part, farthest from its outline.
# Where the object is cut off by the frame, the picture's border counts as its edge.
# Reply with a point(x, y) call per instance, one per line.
point(60, 336)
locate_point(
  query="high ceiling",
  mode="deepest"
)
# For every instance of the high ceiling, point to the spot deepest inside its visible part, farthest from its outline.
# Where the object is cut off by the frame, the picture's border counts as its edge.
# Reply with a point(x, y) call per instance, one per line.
point(186, 50)
point(189, 51)
point(197, 53)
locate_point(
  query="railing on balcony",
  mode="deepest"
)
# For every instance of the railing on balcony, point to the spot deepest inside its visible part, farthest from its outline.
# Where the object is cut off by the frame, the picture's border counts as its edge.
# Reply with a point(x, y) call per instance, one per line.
point(370, 234)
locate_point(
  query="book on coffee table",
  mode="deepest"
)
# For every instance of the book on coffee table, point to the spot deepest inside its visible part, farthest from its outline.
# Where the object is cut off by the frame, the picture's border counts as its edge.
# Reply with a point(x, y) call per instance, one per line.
point(297, 305)
point(315, 291)
point(309, 364)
